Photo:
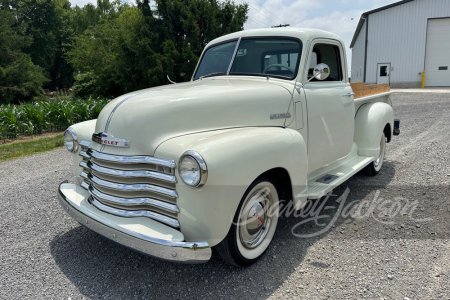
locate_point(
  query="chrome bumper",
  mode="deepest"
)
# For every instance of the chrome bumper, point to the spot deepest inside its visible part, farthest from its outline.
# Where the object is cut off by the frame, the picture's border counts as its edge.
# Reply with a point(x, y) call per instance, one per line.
point(183, 252)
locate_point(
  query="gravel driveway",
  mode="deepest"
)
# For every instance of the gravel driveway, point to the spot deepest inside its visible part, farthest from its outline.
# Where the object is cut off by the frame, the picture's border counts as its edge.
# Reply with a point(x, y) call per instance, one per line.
point(393, 244)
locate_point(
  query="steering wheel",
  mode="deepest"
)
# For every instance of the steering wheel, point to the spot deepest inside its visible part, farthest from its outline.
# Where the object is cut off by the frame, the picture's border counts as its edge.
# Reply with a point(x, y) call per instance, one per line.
point(278, 65)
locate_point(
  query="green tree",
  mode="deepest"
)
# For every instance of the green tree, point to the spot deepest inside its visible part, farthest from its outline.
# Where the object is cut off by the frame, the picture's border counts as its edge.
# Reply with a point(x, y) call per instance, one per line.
point(140, 47)
point(118, 54)
point(91, 15)
point(47, 23)
point(190, 24)
point(20, 79)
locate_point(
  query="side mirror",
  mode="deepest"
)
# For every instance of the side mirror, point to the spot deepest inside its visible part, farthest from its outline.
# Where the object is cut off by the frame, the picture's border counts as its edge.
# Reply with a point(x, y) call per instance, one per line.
point(321, 71)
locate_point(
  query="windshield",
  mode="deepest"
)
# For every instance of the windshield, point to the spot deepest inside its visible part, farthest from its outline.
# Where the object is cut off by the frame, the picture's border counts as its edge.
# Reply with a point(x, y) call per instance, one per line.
point(274, 57)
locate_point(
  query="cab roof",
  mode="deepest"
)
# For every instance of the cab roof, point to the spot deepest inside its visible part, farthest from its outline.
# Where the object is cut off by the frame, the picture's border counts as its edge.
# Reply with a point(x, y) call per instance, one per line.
point(304, 34)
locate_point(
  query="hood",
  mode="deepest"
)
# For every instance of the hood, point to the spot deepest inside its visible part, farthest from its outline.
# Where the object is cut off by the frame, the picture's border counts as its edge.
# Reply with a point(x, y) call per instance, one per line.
point(149, 117)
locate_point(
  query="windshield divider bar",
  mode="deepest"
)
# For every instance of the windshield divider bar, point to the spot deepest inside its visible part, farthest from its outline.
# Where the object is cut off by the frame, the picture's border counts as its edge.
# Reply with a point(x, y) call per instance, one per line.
point(234, 56)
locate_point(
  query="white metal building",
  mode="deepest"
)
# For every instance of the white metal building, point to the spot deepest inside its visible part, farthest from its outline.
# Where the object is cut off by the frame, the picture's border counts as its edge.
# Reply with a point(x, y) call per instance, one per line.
point(396, 43)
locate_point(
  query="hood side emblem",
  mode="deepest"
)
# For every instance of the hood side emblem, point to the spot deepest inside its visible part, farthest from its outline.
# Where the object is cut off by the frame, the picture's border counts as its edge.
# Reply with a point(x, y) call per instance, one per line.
point(280, 116)
point(109, 140)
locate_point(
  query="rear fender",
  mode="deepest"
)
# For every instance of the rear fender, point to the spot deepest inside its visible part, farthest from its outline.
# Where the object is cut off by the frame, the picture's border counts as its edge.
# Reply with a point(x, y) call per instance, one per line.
point(370, 121)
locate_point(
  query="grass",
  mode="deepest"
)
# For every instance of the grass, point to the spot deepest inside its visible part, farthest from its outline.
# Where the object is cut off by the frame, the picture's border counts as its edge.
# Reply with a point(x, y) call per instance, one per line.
point(29, 147)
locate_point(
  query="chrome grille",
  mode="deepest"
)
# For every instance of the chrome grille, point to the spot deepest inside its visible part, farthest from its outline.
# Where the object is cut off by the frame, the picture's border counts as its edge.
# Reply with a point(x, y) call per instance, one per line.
point(130, 186)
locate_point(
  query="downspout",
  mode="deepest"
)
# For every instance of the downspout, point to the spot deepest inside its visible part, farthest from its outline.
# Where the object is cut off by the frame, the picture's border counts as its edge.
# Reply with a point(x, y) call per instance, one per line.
point(365, 50)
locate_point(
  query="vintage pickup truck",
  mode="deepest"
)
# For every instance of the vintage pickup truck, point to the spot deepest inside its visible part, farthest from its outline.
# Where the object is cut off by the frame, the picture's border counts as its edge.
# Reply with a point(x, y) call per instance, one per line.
point(268, 116)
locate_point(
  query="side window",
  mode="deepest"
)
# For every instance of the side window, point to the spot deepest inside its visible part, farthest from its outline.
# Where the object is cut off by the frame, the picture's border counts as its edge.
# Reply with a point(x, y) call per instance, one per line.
point(330, 55)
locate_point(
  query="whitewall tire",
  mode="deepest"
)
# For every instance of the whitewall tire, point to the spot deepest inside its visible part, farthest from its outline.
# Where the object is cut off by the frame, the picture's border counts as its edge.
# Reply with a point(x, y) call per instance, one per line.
point(374, 167)
point(253, 227)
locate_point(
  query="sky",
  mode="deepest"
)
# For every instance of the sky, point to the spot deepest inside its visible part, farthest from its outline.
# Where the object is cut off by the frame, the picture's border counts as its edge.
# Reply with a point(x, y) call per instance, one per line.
point(338, 16)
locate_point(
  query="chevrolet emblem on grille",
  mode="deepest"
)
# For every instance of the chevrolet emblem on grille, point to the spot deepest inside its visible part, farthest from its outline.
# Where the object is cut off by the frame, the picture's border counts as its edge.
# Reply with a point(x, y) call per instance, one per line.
point(110, 140)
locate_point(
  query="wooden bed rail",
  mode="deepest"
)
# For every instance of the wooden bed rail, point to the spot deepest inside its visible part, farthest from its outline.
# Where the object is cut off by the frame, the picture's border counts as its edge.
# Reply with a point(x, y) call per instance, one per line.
point(362, 90)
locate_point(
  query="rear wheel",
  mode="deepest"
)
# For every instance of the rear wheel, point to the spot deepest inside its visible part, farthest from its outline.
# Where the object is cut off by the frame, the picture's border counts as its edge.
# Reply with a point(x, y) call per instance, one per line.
point(253, 227)
point(374, 167)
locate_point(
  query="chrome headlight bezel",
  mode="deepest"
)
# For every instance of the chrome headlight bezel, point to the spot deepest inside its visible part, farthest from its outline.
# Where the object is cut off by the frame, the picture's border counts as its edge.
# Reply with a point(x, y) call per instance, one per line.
point(71, 134)
point(203, 169)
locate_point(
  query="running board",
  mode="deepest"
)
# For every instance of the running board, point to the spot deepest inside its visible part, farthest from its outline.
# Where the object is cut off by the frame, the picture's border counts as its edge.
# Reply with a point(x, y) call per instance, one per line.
point(325, 180)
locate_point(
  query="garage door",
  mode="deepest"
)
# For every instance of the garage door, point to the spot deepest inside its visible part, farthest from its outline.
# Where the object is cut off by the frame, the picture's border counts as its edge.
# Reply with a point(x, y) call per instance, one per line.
point(437, 60)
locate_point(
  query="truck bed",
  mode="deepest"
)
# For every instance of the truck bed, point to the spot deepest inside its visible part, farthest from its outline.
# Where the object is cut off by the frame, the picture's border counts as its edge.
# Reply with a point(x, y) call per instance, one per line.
point(370, 93)
point(361, 90)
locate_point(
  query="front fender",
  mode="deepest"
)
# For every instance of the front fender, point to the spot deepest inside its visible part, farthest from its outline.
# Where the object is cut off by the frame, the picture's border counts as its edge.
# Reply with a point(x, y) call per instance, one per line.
point(235, 158)
point(370, 121)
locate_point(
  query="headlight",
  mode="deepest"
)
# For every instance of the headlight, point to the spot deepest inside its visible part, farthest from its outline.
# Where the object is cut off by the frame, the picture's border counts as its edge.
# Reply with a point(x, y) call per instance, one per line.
point(71, 140)
point(192, 169)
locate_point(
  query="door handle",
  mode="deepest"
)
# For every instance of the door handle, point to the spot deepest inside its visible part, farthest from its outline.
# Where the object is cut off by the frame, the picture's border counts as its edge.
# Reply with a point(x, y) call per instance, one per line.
point(350, 94)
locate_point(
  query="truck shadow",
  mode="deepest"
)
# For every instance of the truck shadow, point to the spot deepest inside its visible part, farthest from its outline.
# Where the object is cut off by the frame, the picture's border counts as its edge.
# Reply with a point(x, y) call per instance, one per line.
point(102, 269)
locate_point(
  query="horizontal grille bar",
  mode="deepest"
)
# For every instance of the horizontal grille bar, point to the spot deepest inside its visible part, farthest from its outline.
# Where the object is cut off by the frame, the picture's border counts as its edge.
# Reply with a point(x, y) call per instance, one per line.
point(128, 174)
point(129, 187)
point(133, 201)
point(84, 154)
point(134, 213)
point(85, 144)
point(85, 185)
point(128, 159)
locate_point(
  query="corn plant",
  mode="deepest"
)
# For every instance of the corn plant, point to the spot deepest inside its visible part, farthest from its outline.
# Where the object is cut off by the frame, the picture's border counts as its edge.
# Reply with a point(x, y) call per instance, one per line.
point(46, 116)
point(35, 115)
point(10, 120)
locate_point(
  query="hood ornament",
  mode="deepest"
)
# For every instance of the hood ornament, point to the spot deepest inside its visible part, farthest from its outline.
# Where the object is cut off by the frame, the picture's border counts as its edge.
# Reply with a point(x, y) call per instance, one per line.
point(110, 140)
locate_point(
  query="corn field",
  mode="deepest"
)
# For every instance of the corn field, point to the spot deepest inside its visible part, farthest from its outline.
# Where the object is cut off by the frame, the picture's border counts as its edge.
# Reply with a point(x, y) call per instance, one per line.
point(46, 116)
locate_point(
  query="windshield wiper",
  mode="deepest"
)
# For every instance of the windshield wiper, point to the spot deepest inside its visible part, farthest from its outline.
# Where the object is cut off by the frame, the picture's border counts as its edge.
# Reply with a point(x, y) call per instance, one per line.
point(262, 75)
point(212, 74)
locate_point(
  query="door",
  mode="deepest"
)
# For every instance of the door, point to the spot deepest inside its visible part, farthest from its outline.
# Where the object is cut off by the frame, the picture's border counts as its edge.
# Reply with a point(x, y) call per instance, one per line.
point(330, 107)
point(384, 73)
point(437, 60)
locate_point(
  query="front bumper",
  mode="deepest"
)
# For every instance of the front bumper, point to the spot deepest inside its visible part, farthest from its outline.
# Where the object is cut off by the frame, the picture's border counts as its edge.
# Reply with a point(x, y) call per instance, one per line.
point(142, 234)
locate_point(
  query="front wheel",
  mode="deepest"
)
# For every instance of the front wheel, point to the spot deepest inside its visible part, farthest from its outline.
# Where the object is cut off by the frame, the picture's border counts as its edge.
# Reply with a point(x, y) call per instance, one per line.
point(374, 167)
point(253, 227)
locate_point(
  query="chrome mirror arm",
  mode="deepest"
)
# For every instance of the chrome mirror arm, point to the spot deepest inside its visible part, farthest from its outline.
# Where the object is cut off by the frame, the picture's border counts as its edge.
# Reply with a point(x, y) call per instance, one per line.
point(312, 77)
point(168, 78)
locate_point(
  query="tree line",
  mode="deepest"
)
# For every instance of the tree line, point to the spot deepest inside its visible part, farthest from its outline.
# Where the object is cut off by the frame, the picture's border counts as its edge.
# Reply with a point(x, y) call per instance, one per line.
point(106, 49)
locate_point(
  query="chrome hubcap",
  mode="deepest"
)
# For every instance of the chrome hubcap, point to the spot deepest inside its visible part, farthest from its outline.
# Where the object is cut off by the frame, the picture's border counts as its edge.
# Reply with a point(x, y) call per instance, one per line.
point(255, 220)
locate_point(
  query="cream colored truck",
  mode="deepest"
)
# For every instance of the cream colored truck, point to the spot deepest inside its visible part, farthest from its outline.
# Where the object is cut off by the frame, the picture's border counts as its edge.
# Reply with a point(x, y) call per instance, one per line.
point(269, 115)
